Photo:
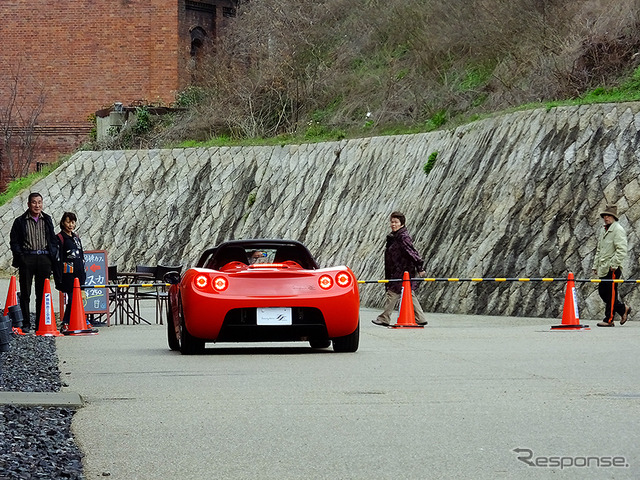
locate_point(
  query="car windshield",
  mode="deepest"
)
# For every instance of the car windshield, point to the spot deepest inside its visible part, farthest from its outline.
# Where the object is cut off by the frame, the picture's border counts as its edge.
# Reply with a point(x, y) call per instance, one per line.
point(260, 254)
point(266, 255)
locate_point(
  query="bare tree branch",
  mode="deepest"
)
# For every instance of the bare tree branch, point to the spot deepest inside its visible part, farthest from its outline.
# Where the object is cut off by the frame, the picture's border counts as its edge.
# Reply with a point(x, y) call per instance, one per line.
point(19, 113)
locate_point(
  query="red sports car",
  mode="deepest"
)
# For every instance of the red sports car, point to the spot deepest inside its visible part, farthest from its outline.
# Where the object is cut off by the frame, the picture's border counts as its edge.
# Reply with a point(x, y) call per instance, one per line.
point(262, 291)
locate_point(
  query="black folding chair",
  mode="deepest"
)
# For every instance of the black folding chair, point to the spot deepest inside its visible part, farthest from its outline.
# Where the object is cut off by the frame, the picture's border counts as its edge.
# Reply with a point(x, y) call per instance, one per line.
point(162, 293)
point(143, 274)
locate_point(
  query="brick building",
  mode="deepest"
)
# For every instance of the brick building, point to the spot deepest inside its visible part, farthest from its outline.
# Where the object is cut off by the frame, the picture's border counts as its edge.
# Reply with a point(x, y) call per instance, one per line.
point(72, 58)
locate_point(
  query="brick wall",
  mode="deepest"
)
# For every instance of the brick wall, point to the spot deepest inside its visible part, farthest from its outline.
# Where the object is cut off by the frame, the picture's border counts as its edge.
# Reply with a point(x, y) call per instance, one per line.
point(85, 55)
point(88, 54)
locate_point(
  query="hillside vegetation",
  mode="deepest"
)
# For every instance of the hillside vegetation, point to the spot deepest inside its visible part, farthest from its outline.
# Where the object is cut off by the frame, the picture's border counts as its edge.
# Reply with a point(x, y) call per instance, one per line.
point(315, 69)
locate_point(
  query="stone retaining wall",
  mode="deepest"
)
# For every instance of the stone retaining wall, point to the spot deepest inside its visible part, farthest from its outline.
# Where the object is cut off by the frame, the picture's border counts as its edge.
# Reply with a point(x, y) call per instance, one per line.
point(516, 195)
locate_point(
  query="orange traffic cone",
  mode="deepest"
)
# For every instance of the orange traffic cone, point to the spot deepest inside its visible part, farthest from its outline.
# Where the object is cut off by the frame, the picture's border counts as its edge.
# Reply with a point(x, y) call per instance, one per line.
point(407, 317)
point(12, 301)
point(12, 296)
point(12, 308)
point(570, 316)
point(78, 319)
point(47, 325)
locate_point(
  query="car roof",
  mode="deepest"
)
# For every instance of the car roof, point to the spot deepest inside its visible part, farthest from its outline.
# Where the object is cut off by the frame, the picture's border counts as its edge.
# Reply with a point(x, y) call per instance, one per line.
point(211, 255)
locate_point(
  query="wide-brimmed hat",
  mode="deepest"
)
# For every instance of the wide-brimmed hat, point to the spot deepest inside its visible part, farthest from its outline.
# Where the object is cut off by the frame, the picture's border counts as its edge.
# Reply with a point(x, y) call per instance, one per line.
point(610, 210)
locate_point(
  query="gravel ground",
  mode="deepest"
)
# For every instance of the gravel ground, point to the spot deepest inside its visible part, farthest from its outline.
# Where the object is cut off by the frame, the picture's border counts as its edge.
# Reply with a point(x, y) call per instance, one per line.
point(35, 442)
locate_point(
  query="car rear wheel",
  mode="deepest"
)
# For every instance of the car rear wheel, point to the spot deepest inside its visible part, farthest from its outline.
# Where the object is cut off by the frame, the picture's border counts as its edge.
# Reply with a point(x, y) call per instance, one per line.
point(172, 337)
point(189, 344)
point(348, 343)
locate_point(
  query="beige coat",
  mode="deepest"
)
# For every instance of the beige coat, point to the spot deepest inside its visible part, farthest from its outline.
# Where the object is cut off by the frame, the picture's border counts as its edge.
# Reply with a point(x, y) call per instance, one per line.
point(611, 250)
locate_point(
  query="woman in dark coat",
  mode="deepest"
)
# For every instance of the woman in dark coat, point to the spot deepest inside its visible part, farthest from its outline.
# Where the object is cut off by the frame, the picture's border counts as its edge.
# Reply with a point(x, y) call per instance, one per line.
point(71, 261)
point(400, 256)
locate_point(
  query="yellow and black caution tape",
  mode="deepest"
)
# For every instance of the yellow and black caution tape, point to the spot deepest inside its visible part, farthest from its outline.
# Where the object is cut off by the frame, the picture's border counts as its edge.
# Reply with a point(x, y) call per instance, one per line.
point(127, 285)
point(501, 279)
point(418, 279)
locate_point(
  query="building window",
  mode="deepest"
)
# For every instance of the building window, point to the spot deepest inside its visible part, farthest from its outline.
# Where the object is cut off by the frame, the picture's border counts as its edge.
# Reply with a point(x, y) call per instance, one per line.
point(200, 7)
point(198, 36)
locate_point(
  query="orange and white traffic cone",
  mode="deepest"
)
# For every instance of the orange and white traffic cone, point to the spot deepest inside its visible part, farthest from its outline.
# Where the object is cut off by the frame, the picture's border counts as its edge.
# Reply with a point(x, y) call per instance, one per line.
point(12, 309)
point(47, 325)
point(12, 295)
point(570, 316)
point(78, 320)
point(407, 317)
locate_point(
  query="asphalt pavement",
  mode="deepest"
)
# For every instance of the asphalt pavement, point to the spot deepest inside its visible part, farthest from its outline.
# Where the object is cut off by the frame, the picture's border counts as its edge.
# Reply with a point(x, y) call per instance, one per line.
point(466, 397)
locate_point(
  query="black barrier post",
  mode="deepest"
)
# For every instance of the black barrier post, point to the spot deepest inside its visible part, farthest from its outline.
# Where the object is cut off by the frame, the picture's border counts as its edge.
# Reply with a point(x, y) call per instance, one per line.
point(5, 333)
point(16, 316)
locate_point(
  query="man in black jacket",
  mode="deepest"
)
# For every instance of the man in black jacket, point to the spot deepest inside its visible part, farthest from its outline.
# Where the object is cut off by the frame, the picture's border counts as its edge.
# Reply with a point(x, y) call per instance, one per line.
point(35, 250)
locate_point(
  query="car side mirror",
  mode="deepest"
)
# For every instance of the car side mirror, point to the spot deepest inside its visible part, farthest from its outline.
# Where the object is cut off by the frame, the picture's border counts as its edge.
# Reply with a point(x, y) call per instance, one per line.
point(172, 277)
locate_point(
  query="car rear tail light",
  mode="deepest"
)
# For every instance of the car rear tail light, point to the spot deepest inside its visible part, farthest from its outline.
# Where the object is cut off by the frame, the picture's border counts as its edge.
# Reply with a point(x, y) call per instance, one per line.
point(201, 281)
point(343, 279)
point(220, 284)
point(325, 282)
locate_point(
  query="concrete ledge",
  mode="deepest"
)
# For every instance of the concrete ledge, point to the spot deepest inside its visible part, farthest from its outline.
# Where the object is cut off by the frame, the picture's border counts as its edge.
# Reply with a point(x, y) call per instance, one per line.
point(44, 399)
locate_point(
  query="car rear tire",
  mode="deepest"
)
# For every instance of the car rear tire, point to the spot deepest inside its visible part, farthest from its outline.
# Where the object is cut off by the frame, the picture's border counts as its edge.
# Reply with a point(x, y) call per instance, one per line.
point(348, 343)
point(172, 338)
point(189, 345)
point(320, 343)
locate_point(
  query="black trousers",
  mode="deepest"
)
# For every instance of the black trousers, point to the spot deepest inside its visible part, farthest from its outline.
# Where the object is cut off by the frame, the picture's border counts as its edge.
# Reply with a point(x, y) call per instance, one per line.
point(67, 309)
point(38, 268)
point(609, 294)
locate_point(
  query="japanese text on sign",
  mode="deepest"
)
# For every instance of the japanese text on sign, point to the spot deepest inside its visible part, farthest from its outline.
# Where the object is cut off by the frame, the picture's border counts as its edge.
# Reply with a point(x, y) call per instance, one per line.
point(95, 264)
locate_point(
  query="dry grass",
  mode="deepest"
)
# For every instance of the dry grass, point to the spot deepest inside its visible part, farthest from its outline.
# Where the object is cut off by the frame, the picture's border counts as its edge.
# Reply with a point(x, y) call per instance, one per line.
point(305, 66)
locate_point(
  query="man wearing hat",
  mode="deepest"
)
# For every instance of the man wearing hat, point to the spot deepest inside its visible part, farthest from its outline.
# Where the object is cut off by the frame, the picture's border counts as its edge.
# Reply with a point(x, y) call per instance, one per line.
point(610, 253)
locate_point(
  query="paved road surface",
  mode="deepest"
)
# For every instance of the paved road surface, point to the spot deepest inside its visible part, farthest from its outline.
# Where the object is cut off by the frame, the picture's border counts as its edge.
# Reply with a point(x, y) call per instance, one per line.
point(450, 401)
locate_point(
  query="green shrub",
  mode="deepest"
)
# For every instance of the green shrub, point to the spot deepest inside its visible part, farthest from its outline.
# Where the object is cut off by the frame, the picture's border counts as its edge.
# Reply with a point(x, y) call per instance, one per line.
point(436, 121)
point(192, 95)
point(93, 120)
point(251, 199)
point(431, 161)
point(143, 121)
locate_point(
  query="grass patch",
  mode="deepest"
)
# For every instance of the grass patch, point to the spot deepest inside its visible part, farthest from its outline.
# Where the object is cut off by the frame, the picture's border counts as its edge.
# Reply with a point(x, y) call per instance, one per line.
point(627, 91)
point(18, 185)
point(436, 121)
point(475, 77)
point(311, 135)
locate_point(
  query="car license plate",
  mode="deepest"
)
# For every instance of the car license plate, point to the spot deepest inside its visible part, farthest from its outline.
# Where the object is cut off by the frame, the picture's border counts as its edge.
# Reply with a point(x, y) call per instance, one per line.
point(274, 316)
